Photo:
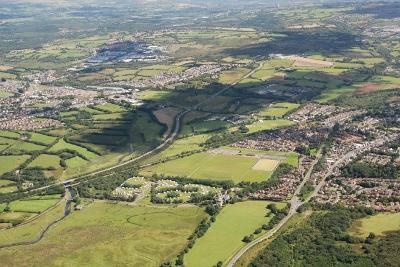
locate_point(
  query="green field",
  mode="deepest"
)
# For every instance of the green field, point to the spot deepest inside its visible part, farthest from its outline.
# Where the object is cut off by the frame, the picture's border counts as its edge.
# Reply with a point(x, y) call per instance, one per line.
point(61, 145)
point(329, 95)
point(211, 166)
point(225, 235)
point(14, 218)
point(9, 163)
point(278, 109)
point(4, 133)
point(31, 230)
point(263, 125)
point(4, 94)
point(112, 108)
point(231, 76)
point(111, 235)
point(6, 182)
point(377, 224)
point(46, 161)
point(41, 138)
point(33, 205)
point(75, 162)
point(25, 146)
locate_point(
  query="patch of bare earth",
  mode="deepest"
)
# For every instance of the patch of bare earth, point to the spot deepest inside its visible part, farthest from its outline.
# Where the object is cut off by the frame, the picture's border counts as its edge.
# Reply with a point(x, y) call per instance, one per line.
point(167, 116)
point(309, 62)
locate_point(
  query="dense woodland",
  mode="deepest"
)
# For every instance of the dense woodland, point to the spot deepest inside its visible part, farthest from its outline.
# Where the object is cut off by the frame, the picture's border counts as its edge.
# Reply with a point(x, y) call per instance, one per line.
point(323, 241)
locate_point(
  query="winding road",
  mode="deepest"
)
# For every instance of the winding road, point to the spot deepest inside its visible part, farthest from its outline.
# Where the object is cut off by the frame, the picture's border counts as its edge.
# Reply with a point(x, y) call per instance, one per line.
point(168, 141)
point(295, 203)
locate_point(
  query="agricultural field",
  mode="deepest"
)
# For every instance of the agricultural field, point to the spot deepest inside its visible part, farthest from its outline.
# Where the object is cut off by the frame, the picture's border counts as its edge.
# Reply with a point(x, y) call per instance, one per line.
point(278, 109)
point(262, 125)
point(4, 94)
point(9, 163)
point(45, 161)
point(181, 145)
point(34, 204)
point(21, 146)
point(378, 224)
point(112, 234)
point(213, 166)
point(232, 76)
point(41, 138)
point(225, 235)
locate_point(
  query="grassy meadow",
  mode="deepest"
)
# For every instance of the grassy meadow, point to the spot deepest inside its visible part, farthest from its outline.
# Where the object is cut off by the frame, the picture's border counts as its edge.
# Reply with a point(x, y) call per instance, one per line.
point(111, 235)
point(225, 235)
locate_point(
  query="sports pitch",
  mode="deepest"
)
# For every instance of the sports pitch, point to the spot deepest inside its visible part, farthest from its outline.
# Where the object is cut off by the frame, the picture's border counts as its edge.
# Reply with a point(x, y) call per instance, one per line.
point(217, 167)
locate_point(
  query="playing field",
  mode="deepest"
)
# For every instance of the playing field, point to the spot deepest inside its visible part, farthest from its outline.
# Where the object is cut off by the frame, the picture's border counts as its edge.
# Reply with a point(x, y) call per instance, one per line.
point(265, 165)
point(212, 166)
point(278, 109)
point(377, 224)
point(224, 237)
point(263, 125)
point(111, 235)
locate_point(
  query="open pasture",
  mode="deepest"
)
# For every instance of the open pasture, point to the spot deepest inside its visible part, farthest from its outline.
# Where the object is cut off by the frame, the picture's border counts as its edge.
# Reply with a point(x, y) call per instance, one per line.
point(31, 229)
point(14, 218)
point(75, 162)
point(33, 205)
point(41, 138)
point(62, 145)
point(25, 146)
point(309, 62)
point(9, 163)
point(262, 125)
point(110, 235)
point(278, 109)
point(9, 134)
point(225, 235)
point(46, 161)
point(377, 224)
point(212, 166)
point(231, 76)
point(4, 94)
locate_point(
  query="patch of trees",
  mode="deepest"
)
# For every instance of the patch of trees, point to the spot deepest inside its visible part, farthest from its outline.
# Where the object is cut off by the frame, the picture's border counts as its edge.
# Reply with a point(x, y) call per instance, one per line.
point(101, 186)
point(225, 184)
point(316, 243)
point(306, 190)
point(224, 138)
point(34, 175)
point(9, 197)
point(360, 169)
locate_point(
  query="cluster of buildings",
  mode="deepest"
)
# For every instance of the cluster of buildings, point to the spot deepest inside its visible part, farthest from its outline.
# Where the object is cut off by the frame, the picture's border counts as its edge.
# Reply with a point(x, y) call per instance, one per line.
point(29, 123)
point(127, 51)
point(376, 193)
point(283, 191)
point(168, 78)
point(43, 77)
point(284, 140)
point(314, 111)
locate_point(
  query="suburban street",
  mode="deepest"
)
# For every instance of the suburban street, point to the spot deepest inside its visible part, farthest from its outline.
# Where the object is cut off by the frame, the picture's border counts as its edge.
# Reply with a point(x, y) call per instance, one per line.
point(295, 203)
